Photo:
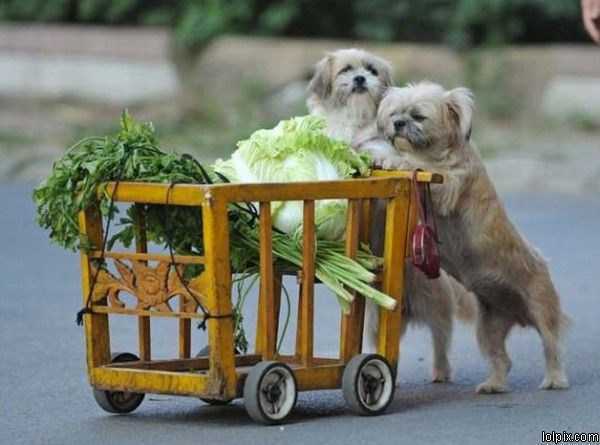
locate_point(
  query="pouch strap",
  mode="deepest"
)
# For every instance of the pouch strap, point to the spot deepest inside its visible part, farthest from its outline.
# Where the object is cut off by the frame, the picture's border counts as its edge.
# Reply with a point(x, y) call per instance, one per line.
point(424, 203)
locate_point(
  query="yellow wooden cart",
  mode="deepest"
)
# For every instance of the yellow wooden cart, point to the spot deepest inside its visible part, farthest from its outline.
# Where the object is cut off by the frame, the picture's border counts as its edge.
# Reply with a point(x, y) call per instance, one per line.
point(267, 381)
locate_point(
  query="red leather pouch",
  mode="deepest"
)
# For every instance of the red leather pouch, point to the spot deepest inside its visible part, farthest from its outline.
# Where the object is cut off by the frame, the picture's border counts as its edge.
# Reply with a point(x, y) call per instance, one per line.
point(425, 254)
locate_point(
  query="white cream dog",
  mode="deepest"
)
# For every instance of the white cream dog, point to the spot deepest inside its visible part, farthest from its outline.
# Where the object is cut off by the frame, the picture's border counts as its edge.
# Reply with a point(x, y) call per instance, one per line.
point(346, 89)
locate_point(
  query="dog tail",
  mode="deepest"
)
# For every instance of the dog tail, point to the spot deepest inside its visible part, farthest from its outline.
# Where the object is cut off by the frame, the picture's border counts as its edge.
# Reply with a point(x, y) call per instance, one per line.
point(465, 302)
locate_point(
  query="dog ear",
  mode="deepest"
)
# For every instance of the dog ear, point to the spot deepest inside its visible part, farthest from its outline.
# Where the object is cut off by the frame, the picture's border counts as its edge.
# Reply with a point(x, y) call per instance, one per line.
point(460, 106)
point(386, 71)
point(382, 110)
point(320, 84)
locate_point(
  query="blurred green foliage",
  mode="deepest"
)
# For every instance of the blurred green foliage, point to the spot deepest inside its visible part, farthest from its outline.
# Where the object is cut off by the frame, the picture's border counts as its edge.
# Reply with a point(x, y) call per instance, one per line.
point(461, 23)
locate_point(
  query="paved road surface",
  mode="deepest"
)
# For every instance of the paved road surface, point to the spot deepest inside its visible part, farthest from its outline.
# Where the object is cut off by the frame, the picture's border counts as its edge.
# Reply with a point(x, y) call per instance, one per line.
point(45, 398)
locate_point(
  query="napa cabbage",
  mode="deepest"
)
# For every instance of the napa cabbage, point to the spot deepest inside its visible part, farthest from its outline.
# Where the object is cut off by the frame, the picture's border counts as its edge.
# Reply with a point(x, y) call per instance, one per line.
point(297, 150)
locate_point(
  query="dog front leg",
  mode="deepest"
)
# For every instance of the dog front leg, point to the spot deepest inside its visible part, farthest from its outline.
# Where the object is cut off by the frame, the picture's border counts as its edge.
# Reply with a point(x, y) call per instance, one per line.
point(492, 331)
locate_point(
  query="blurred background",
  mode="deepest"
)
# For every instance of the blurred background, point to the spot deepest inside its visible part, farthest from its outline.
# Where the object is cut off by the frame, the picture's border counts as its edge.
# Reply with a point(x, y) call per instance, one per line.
point(209, 72)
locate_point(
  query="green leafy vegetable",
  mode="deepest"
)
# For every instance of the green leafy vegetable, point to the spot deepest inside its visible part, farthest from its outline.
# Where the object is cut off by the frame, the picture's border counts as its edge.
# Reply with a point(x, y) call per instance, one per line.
point(297, 150)
point(133, 154)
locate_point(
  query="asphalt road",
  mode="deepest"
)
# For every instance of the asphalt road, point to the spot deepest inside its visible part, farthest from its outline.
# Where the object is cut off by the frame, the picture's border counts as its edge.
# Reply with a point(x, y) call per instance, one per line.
point(45, 397)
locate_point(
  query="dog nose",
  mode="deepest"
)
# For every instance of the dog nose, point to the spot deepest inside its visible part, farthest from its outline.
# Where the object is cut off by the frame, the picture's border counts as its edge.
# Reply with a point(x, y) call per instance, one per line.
point(360, 80)
point(399, 124)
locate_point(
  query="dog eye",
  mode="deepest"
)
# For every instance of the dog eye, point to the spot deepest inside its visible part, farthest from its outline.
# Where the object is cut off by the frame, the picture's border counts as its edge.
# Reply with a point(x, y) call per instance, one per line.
point(345, 69)
point(372, 69)
point(418, 117)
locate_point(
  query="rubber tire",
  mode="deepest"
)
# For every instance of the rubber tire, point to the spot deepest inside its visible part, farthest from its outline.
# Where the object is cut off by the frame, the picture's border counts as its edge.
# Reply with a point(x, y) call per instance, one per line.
point(107, 400)
point(350, 384)
point(252, 387)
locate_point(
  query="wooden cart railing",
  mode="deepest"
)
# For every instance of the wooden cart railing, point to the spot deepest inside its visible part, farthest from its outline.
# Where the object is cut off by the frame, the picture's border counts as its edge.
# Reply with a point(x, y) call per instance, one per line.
point(221, 374)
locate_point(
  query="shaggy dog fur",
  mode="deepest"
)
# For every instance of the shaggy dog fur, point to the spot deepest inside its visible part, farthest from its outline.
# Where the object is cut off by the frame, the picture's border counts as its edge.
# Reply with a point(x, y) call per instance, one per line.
point(346, 89)
point(430, 128)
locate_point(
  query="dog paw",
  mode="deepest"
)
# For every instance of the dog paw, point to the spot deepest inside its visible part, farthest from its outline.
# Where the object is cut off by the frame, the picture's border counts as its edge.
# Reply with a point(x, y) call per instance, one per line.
point(441, 375)
point(392, 163)
point(556, 381)
point(386, 164)
point(380, 162)
point(491, 387)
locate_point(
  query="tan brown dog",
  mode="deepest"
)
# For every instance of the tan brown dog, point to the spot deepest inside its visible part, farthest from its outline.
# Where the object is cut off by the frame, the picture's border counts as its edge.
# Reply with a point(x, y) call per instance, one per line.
point(430, 128)
point(346, 90)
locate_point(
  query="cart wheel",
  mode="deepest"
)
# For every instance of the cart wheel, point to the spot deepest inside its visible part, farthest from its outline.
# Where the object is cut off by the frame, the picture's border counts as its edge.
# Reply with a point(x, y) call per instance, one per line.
point(270, 392)
point(119, 402)
point(368, 384)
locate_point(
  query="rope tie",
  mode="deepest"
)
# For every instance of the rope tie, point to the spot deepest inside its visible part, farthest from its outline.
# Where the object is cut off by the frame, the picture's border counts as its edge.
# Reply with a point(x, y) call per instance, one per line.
point(87, 309)
point(207, 315)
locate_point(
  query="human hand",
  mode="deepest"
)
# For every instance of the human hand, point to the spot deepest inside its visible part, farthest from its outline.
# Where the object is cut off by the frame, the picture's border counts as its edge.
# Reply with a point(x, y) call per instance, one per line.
point(590, 10)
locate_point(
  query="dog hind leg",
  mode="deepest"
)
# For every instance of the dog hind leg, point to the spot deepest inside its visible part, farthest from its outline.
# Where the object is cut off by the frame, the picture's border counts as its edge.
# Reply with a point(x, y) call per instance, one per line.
point(555, 377)
point(549, 321)
point(433, 305)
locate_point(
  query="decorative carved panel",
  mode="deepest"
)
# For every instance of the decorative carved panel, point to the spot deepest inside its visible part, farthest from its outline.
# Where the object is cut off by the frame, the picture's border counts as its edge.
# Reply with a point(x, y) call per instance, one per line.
point(152, 287)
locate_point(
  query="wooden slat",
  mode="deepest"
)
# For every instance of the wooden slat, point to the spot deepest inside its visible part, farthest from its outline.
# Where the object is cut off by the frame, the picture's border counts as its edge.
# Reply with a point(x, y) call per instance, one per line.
point(266, 334)
point(299, 317)
point(352, 227)
point(195, 195)
point(382, 184)
point(97, 309)
point(292, 360)
point(352, 323)
point(396, 230)
point(220, 330)
point(156, 382)
point(185, 333)
point(152, 193)
point(316, 377)
point(434, 178)
point(179, 259)
point(277, 288)
point(365, 221)
point(97, 337)
point(297, 191)
point(306, 326)
point(319, 377)
point(141, 241)
point(196, 363)
point(141, 247)
point(144, 342)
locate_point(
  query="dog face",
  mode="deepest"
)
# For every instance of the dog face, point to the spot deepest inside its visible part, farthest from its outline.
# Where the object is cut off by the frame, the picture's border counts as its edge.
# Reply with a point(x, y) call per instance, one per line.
point(425, 119)
point(349, 78)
